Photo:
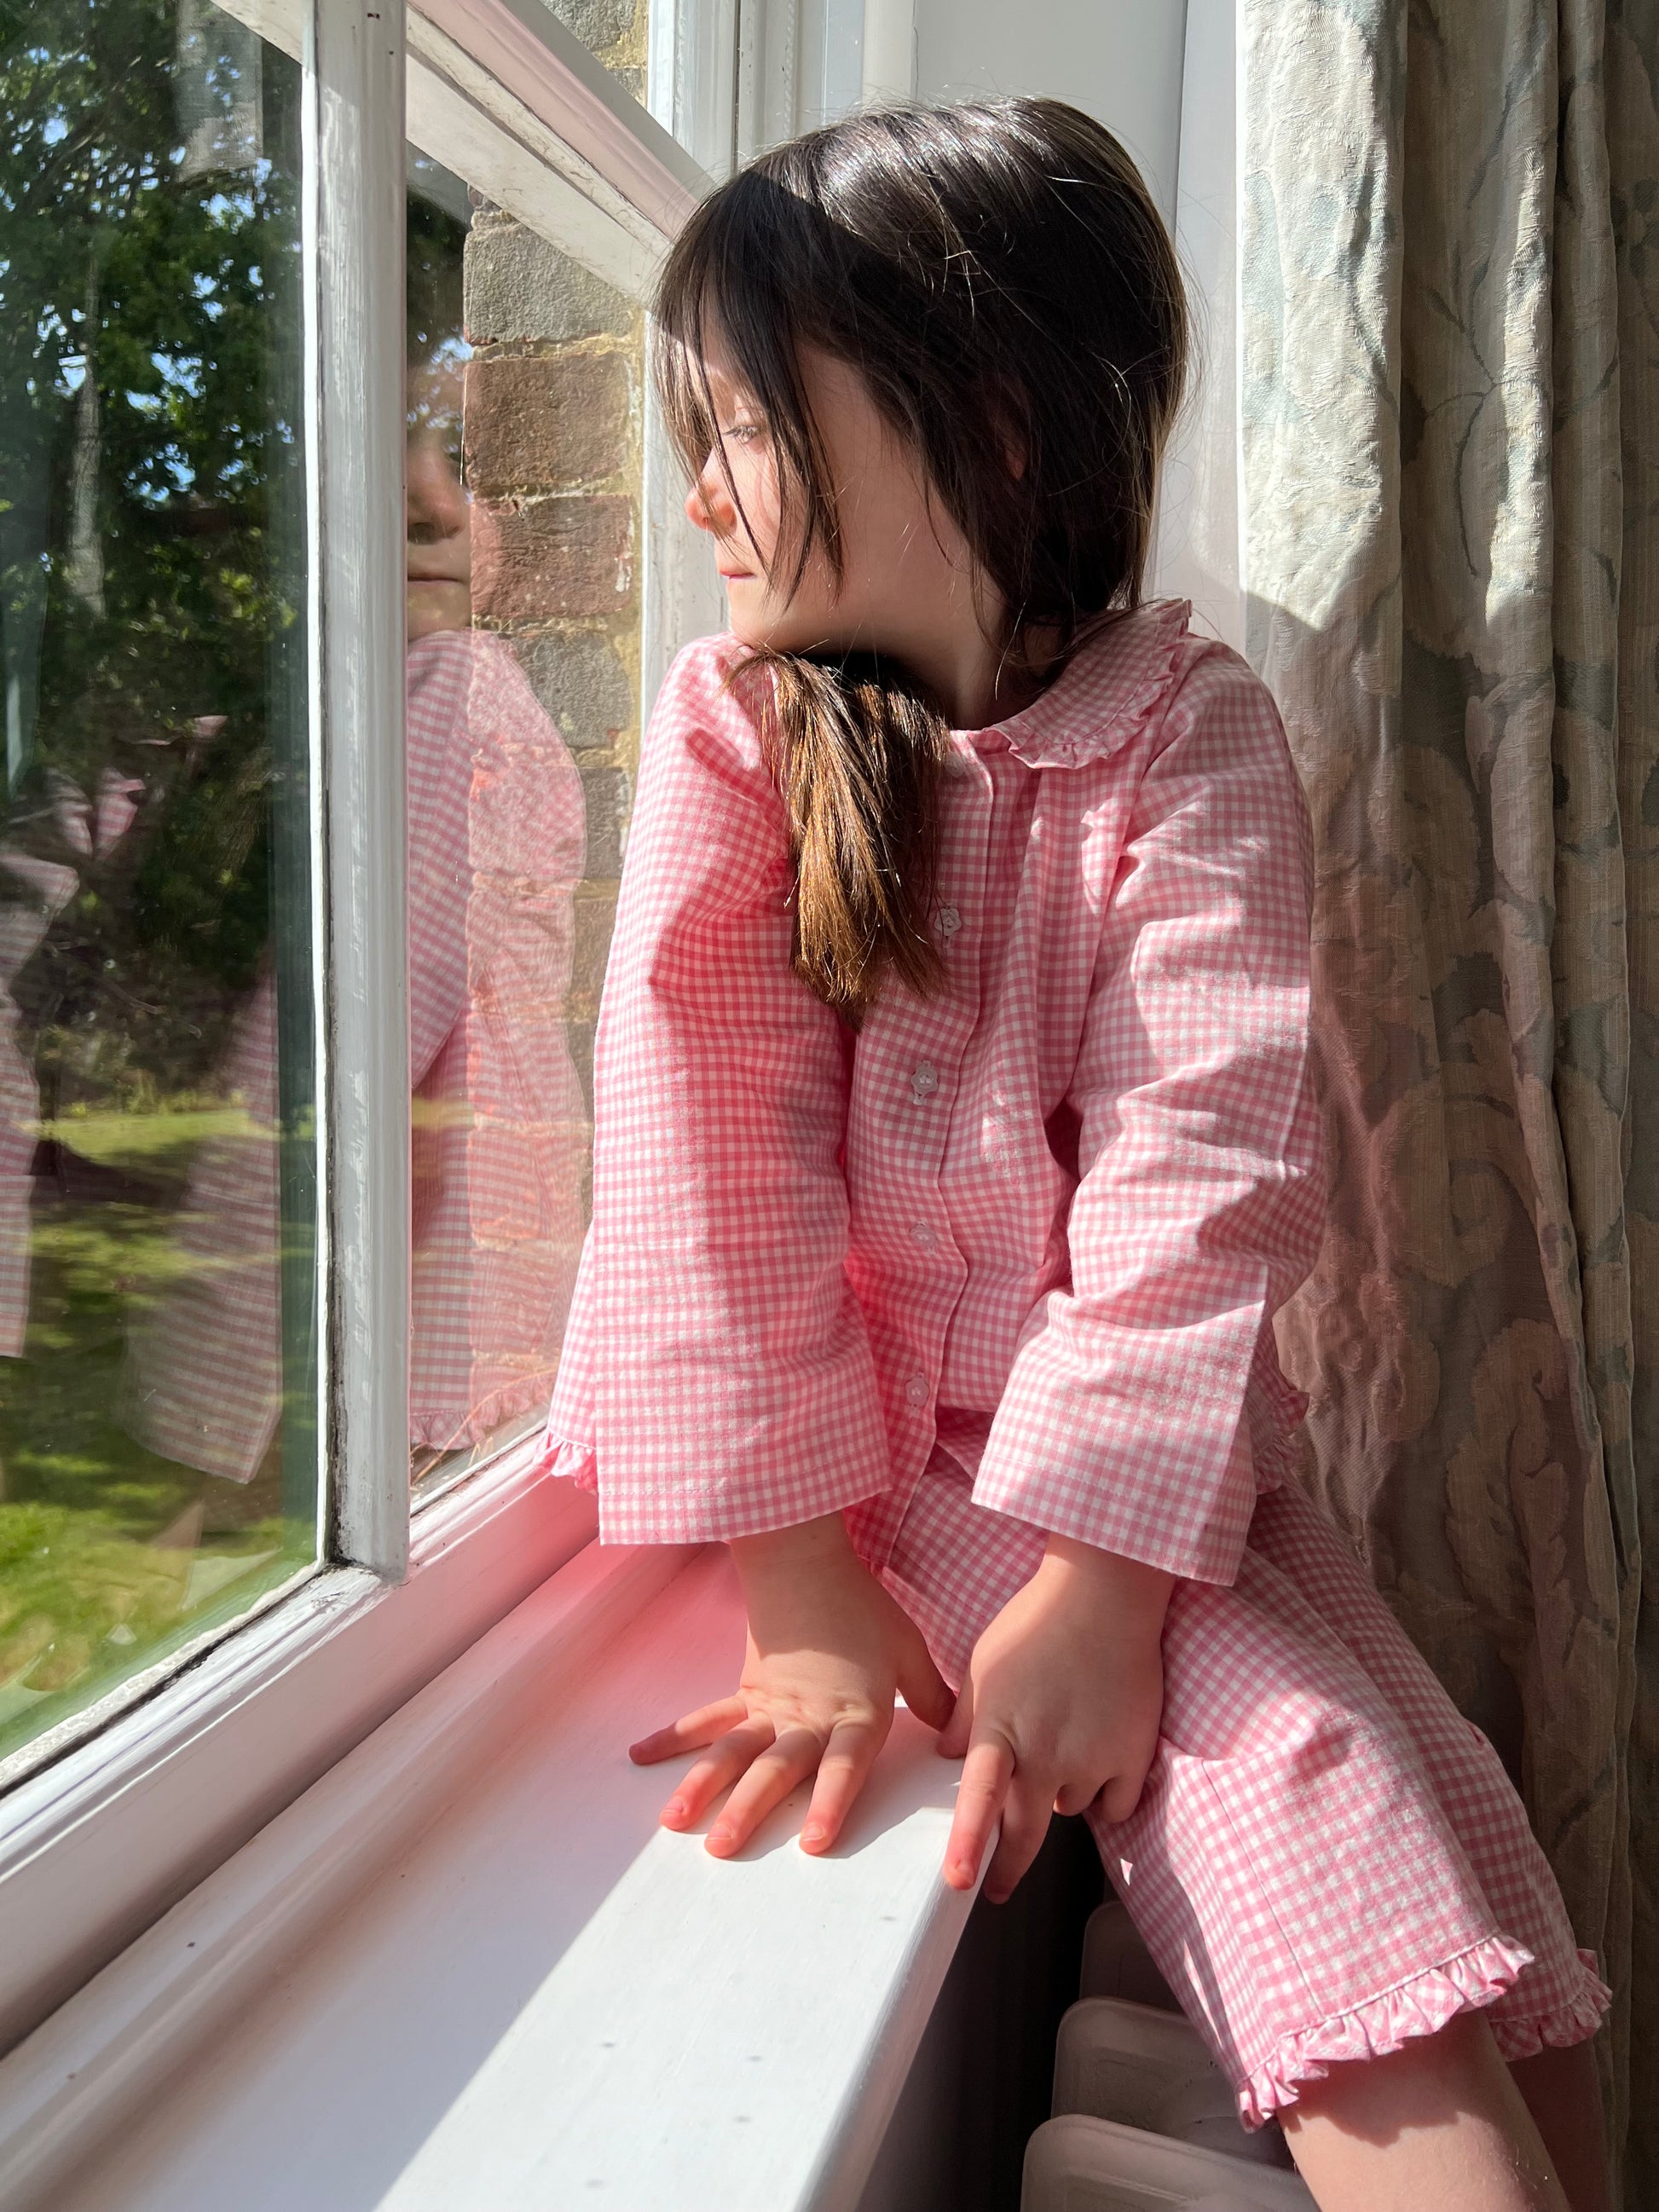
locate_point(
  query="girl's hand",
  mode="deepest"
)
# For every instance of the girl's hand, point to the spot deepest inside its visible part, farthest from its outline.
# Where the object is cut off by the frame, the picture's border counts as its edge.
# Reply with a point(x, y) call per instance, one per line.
point(1064, 1694)
point(828, 1648)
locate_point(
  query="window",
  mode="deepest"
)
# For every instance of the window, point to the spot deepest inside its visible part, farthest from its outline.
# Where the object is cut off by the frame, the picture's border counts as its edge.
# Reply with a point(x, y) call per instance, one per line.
point(203, 566)
point(298, 974)
point(524, 377)
point(157, 975)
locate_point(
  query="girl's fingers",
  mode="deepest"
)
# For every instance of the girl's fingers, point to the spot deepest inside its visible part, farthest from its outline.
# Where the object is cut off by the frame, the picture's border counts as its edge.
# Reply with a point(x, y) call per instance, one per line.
point(981, 1794)
point(1077, 1796)
point(924, 1689)
point(734, 1754)
point(1025, 1816)
point(957, 1733)
point(843, 1772)
point(1122, 1795)
point(691, 1733)
point(768, 1782)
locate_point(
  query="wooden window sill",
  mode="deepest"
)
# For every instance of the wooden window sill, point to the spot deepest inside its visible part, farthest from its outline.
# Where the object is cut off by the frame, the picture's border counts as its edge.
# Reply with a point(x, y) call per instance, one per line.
point(466, 1970)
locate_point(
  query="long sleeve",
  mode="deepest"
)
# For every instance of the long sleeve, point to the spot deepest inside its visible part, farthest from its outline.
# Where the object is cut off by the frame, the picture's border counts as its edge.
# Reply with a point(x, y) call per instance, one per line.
point(1143, 1393)
point(716, 1351)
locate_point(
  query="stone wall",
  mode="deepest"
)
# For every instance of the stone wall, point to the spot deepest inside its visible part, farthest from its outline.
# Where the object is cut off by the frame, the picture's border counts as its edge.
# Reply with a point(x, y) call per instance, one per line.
point(551, 436)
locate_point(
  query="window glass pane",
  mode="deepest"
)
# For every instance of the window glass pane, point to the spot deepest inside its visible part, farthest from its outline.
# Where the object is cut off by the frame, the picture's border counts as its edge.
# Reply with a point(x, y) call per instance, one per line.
point(158, 1464)
point(614, 33)
point(523, 529)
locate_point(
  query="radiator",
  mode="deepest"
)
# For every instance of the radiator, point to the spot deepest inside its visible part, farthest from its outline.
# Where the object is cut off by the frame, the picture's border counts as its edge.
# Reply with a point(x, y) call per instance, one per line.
point(1142, 2118)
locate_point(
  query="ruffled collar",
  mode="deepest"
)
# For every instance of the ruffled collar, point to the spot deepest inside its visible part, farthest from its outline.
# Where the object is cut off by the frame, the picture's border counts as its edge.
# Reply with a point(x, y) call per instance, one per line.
point(1101, 695)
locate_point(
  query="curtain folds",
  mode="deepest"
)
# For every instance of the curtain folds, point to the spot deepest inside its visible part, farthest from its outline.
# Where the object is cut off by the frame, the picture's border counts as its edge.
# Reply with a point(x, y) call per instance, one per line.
point(1450, 410)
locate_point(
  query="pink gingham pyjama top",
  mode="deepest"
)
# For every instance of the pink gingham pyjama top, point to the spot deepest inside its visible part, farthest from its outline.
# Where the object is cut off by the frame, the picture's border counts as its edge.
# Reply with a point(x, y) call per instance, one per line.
point(1006, 1262)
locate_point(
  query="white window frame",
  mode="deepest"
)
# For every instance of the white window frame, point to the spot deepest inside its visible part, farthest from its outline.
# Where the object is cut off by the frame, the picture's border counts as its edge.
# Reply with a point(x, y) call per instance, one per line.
point(109, 1819)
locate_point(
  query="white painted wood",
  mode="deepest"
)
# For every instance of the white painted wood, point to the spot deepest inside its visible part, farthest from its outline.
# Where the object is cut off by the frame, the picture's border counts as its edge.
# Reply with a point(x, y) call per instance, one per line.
point(693, 78)
point(889, 49)
point(281, 22)
point(831, 60)
point(1199, 556)
point(356, 276)
point(87, 2070)
point(682, 596)
point(94, 1849)
point(523, 45)
point(482, 1979)
point(467, 119)
point(800, 62)
point(767, 69)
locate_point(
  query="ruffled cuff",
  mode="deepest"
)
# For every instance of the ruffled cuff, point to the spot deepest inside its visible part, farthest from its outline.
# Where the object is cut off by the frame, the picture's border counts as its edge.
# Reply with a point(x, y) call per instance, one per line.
point(571, 1460)
point(1574, 2022)
point(1420, 2005)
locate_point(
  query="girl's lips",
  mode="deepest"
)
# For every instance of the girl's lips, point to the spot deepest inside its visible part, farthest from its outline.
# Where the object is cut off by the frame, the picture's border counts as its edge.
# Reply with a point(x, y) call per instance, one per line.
point(738, 575)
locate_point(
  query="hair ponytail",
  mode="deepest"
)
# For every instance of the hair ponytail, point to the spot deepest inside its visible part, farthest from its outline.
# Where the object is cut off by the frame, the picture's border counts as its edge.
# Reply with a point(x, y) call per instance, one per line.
point(857, 751)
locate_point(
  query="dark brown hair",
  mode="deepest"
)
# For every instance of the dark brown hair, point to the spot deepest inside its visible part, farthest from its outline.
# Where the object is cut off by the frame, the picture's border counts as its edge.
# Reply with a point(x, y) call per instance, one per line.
point(999, 276)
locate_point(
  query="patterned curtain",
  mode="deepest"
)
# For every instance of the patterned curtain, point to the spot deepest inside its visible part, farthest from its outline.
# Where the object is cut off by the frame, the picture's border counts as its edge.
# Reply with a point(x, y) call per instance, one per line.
point(1450, 304)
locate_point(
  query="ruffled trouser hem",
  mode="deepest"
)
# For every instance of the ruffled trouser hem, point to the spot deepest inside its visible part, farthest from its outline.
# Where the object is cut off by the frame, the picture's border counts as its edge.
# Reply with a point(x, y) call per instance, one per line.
point(1422, 2005)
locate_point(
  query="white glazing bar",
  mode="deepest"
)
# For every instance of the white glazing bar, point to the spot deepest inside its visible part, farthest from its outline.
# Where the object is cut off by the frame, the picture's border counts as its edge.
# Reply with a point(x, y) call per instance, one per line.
point(770, 92)
point(693, 78)
point(357, 58)
point(525, 47)
point(682, 596)
point(889, 55)
point(1197, 556)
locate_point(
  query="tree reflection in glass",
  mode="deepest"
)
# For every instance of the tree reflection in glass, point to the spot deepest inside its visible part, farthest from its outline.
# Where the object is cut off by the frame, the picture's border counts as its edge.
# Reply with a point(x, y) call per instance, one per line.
point(153, 851)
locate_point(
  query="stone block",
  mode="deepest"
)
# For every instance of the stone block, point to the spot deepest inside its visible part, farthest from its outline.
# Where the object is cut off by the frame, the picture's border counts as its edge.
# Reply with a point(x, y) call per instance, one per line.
point(580, 1037)
point(608, 795)
point(536, 422)
point(598, 23)
point(516, 286)
point(582, 685)
point(595, 918)
point(549, 558)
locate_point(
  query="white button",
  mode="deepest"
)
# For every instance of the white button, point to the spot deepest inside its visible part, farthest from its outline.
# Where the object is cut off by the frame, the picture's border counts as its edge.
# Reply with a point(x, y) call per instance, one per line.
point(949, 920)
point(924, 1233)
point(924, 1082)
point(916, 1390)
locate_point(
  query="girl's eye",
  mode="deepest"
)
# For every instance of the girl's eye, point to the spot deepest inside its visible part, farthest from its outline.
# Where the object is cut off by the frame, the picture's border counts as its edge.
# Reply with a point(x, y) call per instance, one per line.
point(743, 434)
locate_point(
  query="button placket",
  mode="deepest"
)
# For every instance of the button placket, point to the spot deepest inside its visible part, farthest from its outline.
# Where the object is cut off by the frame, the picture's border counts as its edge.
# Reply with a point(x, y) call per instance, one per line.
point(931, 1037)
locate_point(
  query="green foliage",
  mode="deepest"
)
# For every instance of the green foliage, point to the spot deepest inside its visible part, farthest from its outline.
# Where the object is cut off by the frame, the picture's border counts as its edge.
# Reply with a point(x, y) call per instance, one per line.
point(87, 1591)
point(133, 267)
point(152, 689)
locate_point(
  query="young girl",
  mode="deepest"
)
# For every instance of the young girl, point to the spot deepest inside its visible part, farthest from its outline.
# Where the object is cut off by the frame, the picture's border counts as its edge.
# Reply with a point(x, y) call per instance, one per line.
point(955, 1148)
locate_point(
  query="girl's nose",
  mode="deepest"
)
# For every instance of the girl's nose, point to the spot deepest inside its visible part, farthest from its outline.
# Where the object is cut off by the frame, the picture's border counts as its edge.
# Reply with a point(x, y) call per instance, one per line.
point(708, 502)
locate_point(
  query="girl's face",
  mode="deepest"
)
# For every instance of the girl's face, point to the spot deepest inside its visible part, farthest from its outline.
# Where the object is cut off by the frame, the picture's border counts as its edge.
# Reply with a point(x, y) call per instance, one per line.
point(907, 582)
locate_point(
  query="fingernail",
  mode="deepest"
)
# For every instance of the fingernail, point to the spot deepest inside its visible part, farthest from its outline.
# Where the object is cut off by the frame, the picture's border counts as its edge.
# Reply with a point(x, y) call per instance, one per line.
point(811, 1837)
point(674, 1810)
point(719, 1840)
